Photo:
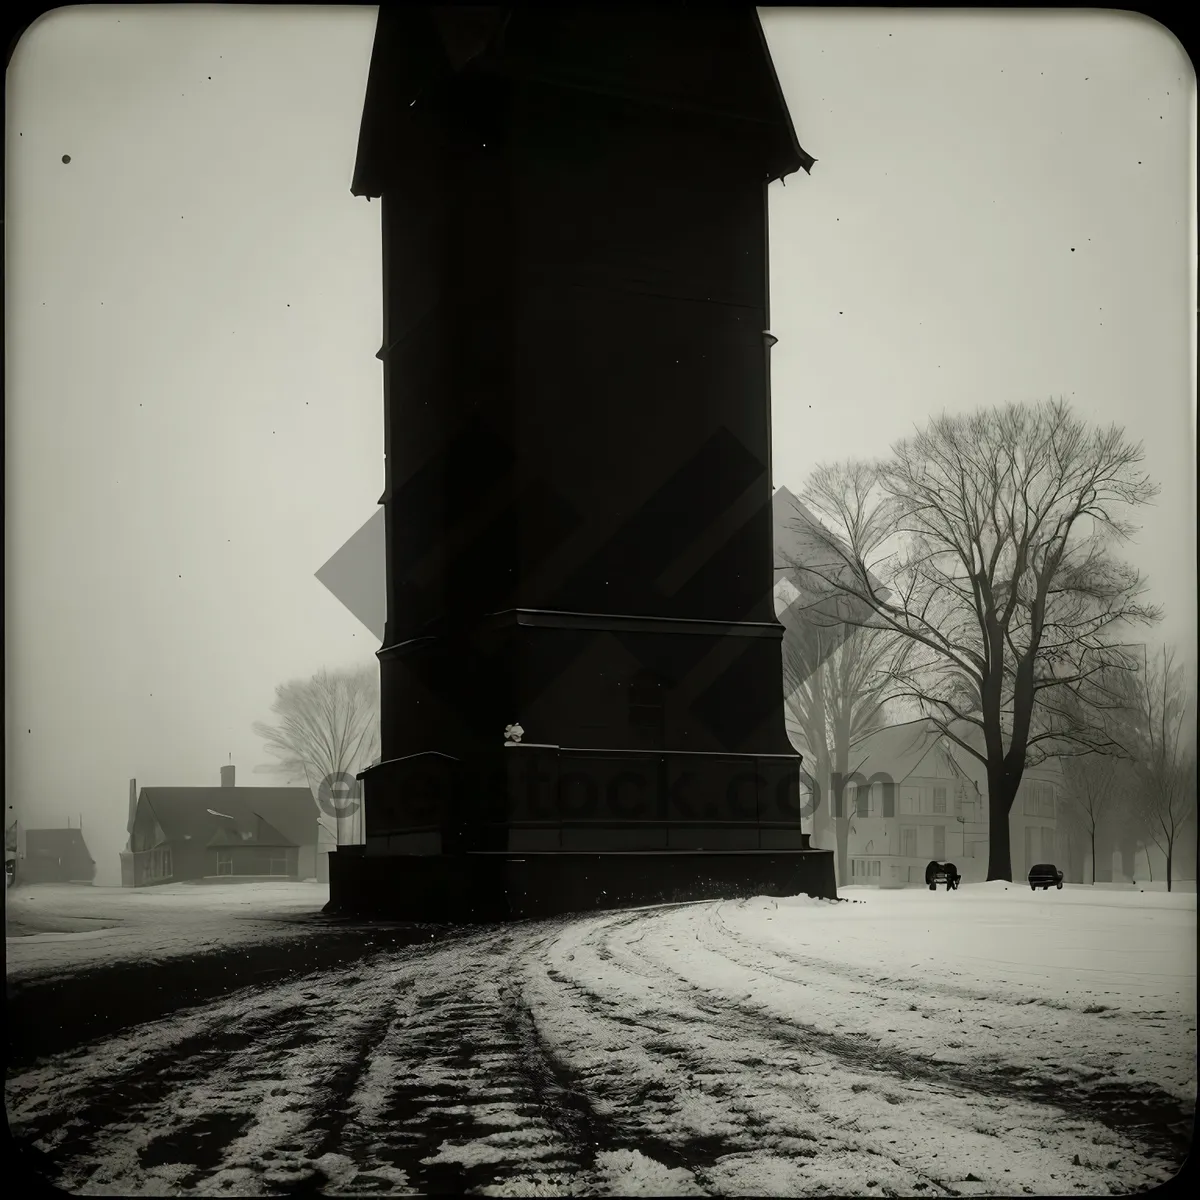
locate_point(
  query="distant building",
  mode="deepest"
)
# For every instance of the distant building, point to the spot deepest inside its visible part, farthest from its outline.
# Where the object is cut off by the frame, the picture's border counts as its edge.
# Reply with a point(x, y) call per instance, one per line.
point(226, 832)
point(56, 856)
point(936, 808)
point(12, 843)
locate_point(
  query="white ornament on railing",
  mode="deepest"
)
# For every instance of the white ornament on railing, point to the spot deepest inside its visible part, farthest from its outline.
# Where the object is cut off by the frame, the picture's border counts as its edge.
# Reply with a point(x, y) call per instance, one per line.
point(513, 734)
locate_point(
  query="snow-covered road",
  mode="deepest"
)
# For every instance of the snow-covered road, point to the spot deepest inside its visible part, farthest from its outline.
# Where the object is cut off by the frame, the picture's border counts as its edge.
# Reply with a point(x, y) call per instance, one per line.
point(907, 1044)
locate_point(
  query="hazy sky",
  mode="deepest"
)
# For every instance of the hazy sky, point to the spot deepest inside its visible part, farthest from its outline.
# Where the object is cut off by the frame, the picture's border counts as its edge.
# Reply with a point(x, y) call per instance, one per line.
point(1001, 210)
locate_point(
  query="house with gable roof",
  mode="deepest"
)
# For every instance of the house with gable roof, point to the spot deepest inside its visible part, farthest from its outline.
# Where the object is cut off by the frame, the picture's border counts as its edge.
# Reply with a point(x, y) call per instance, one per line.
point(915, 795)
point(223, 834)
point(55, 856)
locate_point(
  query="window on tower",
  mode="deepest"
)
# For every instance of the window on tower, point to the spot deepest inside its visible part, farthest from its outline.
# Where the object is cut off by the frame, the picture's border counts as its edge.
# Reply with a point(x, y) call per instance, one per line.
point(647, 711)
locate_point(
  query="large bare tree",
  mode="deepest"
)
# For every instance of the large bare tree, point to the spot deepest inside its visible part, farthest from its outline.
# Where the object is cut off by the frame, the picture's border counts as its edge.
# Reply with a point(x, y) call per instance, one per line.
point(325, 726)
point(1157, 730)
point(993, 534)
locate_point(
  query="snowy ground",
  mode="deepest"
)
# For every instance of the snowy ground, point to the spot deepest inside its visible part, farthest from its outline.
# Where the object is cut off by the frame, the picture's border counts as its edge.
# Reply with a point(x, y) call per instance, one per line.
point(983, 1042)
point(60, 928)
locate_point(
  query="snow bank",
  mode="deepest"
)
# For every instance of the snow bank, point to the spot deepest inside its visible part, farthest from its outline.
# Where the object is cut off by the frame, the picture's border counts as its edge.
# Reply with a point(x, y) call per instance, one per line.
point(80, 927)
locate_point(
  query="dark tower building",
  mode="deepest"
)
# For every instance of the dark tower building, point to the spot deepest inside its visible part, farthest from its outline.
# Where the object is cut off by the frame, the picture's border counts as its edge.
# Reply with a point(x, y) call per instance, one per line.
point(578, 484)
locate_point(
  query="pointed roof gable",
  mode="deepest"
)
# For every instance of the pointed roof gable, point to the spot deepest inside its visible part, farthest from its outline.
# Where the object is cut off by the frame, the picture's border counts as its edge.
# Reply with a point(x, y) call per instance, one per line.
point(56, 843)
point(711, 60)
point(907, 749)
point(248, 830)
point(235, 815)
point(805, 605)
point(897, 750)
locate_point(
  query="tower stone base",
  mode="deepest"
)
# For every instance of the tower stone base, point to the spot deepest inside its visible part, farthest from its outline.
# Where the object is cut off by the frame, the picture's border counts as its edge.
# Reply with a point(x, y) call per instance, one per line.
point(493, 886)
point(538, 830)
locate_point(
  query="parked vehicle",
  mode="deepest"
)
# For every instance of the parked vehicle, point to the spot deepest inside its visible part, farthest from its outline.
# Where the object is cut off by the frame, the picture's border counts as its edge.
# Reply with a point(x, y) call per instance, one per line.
point(946, 873)
point(1044, 876)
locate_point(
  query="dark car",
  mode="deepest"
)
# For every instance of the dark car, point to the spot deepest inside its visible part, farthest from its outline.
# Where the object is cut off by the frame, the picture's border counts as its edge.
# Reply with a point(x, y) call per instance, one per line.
point(1045, 875)
point(946, 873)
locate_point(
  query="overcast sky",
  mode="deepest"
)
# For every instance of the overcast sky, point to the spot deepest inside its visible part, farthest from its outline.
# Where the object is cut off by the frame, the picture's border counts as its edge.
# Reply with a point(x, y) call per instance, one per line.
point(1001, 210)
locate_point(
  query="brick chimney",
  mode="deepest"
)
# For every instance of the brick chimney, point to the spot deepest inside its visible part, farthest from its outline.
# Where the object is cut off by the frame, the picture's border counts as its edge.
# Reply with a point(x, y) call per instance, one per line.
point(227, 776)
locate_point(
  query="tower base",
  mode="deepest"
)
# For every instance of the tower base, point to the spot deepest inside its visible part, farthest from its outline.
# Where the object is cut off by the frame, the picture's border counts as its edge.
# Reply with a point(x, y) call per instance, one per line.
point(495, 886)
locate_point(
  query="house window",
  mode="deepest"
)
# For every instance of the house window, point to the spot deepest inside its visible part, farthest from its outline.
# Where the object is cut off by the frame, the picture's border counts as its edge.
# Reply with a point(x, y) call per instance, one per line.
point(887, 799)
point(879, 802)
point(278, 865)
point(939, 840)
point(939, 799)
point(224, 862)
point(160, 863)
point(875, 869)
point(1039, 799)
point(963, 805)
point(1039, 845)
point(908, 841)
point(908, 804)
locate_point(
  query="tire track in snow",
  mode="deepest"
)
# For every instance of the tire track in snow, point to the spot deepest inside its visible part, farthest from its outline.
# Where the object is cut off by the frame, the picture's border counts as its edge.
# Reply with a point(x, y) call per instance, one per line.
point(464, 1107)
point(688, 1105)
point(559, 1056)
point(72, 1130)
point(1157, 1121)
point(475, 1102)
point(965, 1102)
point(205, 1093)
point(1151, 1115)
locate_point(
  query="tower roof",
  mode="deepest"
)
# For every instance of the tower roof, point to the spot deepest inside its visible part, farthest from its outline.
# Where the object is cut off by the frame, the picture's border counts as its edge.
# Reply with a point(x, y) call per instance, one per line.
point(687, 58)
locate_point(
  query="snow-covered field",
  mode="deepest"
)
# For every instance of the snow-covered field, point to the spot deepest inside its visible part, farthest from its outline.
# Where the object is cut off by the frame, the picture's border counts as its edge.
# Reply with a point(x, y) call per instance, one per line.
point(990, 1041)
point(60, 928)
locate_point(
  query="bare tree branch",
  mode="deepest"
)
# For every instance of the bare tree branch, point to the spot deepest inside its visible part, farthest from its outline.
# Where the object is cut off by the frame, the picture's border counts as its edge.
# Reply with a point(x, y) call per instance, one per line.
point(326, 726)
point(1155, 728)
point(985, 541)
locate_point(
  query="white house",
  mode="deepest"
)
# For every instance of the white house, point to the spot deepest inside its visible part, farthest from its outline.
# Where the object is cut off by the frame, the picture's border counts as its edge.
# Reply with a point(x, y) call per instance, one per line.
point(915, 795)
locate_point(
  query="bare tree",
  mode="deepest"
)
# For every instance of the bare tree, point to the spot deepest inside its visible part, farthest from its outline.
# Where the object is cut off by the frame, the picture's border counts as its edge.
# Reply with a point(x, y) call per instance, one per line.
point(1156, 729)
point(1092, 794)
point(993, 533)
point(326, 726)
point(837, 676)
point(832, 706)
